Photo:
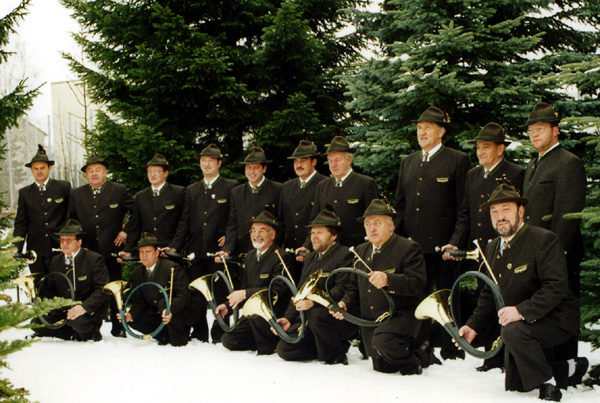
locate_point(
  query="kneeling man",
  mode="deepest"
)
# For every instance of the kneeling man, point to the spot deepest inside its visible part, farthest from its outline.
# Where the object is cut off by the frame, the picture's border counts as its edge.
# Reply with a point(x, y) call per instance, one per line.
point(530, 266)
point(148, 306)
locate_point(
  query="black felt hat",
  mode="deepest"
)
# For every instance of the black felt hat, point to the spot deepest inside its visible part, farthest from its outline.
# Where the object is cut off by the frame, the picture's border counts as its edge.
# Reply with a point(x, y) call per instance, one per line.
point(504, 193)
point(40, 156)
point(326, 218)
point(257, 155)
point(211, 150)
point(542, 112)
point(378, 207)
point(147, 239)
point(435, 115)
point(339, 144)
point(94, 159)
point(266, 217)
point(492, 132)
point(71, 227)
point(158, 160)
point(306, 148)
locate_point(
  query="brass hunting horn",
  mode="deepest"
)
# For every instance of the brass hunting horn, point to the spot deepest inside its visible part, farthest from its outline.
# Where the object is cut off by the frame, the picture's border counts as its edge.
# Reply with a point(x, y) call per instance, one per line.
point(439, 306)
point(261, 304)
point(206, 285)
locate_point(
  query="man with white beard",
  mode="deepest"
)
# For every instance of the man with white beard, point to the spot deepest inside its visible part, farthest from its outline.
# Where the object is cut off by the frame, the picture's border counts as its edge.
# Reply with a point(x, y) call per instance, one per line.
point(262, 264)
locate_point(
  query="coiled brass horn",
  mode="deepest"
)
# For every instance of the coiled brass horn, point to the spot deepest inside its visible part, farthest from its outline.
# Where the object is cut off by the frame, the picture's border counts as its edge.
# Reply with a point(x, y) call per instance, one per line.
point(27, 281)
point(439, 307)
point(119, 287)
point(29, 257)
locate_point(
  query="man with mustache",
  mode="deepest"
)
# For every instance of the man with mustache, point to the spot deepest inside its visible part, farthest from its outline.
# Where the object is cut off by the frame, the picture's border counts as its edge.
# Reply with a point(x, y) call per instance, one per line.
point(261, 265)
point(541, 312)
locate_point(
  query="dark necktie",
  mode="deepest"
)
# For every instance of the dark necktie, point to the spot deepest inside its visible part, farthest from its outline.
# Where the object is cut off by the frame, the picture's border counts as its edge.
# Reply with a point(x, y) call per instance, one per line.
point(156, 192)
point(425, 156)
point(42, 188)
point(338, 183)
point(302, 184)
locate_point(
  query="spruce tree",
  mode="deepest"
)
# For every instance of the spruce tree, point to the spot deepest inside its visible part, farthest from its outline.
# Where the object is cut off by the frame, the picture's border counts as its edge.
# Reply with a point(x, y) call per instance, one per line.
point(174, 75)
point(481, 61)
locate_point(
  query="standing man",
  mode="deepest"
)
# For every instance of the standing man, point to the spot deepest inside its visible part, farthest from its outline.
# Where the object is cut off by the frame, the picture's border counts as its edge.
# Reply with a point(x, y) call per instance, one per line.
point(348, 192)
point(262, 264)
point(148, 307)
point(41, 211)
point(158, 208)
point(325, 338)
point(201, 229)
point(431, 186)
point(298, 195)
point(473, 221)
point(88, 275)
point(397, 264)
point(248, 201)
point(555, 185)
point(541, 312)
point(100, 207)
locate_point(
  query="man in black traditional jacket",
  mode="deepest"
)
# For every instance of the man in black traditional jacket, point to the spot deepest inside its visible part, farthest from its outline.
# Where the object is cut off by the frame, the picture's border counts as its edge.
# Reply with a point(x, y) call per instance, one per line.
point(555, 184)
point(540, 311)
point(248, 201)
point(157, 208)
point(148, 305)
point(473, 222)
point(395, 265)
point(87, 273)
point(347, 191)
point(429, 194)
point(41, 211)
point(261, 265)
point(325, 338)
point(100, 207)
point(201, 229)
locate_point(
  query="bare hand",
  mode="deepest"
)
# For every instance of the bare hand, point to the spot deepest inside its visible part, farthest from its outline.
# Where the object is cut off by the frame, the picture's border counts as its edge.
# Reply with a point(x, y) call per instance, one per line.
point(304, 305)
point(221, 241)
point(219, 254)
point(284, 323)
point(121, 238)
point(508, 315)
point(128, 317)
point(166, 318)
point(447, 256)
point(124, 254)
point(222, 310)
point(378, 279)
point(339, 315)
point(75, 312)
point(468, 333)
point(236, 297)
point(301, 249)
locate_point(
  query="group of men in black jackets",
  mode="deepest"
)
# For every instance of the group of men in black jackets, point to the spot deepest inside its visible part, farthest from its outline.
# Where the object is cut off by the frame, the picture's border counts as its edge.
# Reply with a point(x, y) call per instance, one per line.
point(441, 201)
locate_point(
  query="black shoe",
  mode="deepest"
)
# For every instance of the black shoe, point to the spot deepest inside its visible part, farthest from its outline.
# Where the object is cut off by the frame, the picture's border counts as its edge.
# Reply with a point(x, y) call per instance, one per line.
point(453, 354)
point(338, 359)
point(550, 392)
point(97, 336)
point(119, 333)
point(427, 356)
point(486, 368)
point(416, 370)
point(581, 367)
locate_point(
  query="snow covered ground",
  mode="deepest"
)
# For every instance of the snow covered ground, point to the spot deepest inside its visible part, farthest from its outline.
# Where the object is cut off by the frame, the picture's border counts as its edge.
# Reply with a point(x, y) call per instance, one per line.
point(131, 370)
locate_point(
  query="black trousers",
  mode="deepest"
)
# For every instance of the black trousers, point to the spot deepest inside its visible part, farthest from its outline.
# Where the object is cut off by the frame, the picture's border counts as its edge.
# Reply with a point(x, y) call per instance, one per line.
point(115, 272)
point(527, 366)
point(82, 329)
point(324, 338)
point(396, 352)
point(176, 332)
point(251, 334)
point(441, 274)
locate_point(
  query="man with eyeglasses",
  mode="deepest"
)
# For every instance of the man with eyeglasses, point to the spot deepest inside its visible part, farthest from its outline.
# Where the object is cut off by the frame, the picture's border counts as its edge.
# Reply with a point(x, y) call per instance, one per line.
point(261, 265)
point(87, 272)
point(555, 184)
